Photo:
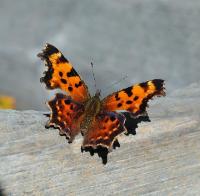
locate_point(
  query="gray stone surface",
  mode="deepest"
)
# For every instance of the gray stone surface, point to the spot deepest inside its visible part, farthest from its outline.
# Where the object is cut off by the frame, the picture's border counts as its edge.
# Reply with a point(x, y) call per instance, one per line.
point(162, 159)
point(144, 39)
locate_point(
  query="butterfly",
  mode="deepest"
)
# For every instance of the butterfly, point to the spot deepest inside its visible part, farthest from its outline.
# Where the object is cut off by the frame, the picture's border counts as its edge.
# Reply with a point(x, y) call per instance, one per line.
point(77, 111)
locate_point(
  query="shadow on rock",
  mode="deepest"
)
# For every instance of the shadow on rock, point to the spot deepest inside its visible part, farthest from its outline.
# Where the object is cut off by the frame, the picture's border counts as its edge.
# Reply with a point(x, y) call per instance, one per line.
point(2, 191)
point(132, 122)
point(101, 151)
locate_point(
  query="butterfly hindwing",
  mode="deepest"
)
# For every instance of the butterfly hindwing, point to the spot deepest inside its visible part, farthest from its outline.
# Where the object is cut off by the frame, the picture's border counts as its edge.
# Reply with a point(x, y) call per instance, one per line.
point(104, 130)
point(134, 98)
point(66, 115)
point(61, 74)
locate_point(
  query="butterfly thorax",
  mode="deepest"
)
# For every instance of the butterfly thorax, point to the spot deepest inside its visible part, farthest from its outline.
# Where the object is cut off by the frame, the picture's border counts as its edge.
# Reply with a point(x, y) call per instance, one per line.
point(92, 108)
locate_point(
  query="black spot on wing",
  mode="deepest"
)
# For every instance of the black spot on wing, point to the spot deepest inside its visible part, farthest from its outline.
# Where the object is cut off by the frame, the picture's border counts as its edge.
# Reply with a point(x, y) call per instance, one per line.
point(144, 85)
point(117, 97)
point(60, 96)
point(60, 73)
point(67, 101)
point(72, 73)
point(48, 75)
point(119, 105)
point(129, 102)
point(135, 98)
point(63, 81)
point(70, 89)
point(49, 50)
point(78, 85)
point(62, 59)
point(158, 84)
point(128, 91)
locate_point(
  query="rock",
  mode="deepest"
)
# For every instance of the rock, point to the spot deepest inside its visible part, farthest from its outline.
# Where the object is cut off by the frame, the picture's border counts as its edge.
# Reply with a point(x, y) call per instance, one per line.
point(162, 158)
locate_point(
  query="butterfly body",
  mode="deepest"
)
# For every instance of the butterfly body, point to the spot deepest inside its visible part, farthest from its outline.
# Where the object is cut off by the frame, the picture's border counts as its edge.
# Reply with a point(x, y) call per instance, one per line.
point(98, 120)
point(91, 110)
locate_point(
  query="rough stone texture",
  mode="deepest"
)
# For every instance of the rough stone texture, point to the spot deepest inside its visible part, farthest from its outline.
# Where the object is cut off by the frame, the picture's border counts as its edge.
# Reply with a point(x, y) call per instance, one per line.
point(141, 38)
point(162, 159)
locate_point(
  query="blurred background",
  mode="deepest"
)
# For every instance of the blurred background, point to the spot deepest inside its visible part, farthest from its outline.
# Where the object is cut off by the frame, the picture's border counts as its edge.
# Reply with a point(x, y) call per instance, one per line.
point(139, 38)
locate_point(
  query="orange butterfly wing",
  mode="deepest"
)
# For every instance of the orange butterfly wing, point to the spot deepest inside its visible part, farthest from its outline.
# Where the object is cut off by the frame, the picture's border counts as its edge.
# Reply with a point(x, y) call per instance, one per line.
point(66, 115)
point(104, 130)
point(134, 98)
point(61, 74)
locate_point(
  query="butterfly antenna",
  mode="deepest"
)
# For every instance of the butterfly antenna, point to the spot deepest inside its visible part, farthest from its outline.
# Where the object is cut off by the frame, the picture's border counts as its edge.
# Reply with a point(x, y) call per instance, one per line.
point(95, 83)
point(115, 83)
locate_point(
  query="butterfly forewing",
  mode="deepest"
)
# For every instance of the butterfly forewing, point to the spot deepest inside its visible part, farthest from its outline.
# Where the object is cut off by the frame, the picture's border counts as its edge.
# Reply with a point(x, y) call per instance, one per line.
point(134, 98)
point(61, 74)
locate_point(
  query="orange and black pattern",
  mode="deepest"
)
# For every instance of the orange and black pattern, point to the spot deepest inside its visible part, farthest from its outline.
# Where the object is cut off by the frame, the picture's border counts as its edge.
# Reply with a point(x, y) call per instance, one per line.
point(66, 115)
point(104, 130)
point(134, 98)
point(61, 74)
